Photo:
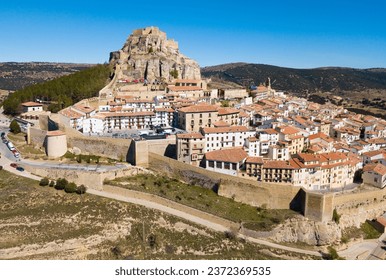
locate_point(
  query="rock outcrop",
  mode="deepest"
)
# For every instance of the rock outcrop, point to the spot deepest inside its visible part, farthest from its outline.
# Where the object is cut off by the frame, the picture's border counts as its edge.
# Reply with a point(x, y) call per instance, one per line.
point(303, 230)
point(148, 54)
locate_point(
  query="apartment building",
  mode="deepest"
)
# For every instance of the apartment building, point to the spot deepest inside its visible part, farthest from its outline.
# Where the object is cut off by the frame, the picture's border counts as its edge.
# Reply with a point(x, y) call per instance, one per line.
point(229, 115)
point(322, 171)
point(133, 120)
point(254, 167)
point(217, 138)
point(277, 171)
point(190, 148)
point(192, 118)
point(72, 118)
point(294, 138)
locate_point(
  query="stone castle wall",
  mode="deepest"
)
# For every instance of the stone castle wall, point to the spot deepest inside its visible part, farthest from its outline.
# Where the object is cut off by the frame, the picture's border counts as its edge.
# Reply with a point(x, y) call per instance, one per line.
point(91, 179)
point(240, 189)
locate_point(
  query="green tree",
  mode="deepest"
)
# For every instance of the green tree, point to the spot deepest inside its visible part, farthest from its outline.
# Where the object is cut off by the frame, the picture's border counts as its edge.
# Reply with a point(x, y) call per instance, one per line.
point(81, 189)
point(174, 73)
point(61, 184)
point(44, 182)
point(225, 103)
point(70, 188)
point(61, 92)
point(335, 216)
point(14, 127)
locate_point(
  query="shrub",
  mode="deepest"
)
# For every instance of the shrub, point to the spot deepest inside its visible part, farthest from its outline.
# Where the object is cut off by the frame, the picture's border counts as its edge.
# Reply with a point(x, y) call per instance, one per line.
point(52, 184)
point(14, 127)
point(61, 184)
point(332, 254)
point(81, 189)
point(70, 188)
point(335, 216)
point(44, 182)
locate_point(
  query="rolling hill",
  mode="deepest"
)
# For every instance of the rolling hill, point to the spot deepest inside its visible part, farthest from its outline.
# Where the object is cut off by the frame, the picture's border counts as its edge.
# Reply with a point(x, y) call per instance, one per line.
point(327, 79)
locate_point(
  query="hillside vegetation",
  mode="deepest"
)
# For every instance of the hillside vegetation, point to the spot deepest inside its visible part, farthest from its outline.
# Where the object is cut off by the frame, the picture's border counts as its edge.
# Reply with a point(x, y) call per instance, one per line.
point(61, 92)
point(18, 75)
point(334, 79)
point(40, 222)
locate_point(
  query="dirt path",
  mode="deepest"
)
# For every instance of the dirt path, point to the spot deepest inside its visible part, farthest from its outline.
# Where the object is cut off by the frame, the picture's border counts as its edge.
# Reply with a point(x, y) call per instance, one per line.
point(188, 213)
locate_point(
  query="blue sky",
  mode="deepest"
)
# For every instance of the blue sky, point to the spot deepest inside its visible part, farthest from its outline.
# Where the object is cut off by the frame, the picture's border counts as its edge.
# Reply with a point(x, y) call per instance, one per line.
point(299, 34)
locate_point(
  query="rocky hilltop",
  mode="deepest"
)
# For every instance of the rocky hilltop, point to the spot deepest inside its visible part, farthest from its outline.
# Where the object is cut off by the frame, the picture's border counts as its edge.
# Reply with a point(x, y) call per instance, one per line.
point(148, 54)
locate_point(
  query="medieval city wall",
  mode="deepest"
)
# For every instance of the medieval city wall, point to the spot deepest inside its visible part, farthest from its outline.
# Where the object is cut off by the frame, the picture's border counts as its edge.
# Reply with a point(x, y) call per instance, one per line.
point(356, 208)
point(91, 179)
point(251, 192)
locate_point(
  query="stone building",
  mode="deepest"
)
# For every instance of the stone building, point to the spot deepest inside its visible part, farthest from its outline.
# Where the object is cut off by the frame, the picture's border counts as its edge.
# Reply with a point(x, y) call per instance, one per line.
point(194, 117)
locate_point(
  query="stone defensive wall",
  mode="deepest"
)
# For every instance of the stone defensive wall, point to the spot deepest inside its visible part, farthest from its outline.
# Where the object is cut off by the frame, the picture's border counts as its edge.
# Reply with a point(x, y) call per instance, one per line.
point(251, 192)
point(356, 208)
point(101, 146)
point(91, 179)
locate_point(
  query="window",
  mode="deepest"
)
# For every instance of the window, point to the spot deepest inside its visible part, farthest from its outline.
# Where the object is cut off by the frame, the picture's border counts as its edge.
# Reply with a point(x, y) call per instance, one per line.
point(227, 165)
point(219, 164)
point(211, 163)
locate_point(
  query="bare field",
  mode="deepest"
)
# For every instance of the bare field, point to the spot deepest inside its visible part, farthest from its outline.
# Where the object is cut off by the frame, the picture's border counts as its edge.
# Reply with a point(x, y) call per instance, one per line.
point(43, 223)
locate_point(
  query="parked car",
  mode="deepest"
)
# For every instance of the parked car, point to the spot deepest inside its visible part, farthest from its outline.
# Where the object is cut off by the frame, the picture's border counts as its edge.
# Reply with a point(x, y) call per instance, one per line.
point(21, 169)
point(14, 165)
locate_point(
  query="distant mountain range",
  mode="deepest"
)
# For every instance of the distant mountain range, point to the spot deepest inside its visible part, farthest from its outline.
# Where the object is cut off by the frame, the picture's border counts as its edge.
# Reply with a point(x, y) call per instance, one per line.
point(17, 75)
point(327, 79)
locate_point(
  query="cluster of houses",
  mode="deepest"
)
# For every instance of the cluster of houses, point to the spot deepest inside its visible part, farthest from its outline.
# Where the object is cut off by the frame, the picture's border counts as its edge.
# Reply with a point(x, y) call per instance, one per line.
point(283, 139)
point(271, 137)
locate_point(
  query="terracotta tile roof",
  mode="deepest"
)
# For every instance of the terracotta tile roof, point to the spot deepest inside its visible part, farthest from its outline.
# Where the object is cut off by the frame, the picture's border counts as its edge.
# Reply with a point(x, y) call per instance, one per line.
point(67, 112)
point(377, 168)
point(243, 115)
point(289, 130)
point(277, 164)
point(230, 129)
point(194, 135)
point(31, 104)
point(227, 111)
point(375, 153)
point(258, 160)
point(320, 135)
point(199, 109)
point(334, 156)
point(84, 109)
point(377, 141)
point(270, 131)
point(221, 124)
point(382, 220)
point(233, 155)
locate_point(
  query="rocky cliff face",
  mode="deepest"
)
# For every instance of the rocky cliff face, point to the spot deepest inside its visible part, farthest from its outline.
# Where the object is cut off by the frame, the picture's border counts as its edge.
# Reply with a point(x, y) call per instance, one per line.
point(148, 54)
point(303, 230)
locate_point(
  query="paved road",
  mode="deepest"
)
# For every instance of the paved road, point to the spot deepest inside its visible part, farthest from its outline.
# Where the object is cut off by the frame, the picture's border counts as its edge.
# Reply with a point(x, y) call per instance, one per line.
point(379, 253)
point(359, 251)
